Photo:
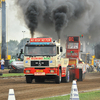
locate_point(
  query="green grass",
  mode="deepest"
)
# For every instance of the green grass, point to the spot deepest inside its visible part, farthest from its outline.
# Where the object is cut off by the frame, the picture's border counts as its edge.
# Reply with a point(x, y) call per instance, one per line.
point(12, 74)
point(95, 95)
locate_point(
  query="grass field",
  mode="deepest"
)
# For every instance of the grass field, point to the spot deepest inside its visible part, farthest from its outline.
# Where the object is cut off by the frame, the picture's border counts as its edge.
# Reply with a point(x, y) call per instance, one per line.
point(12, 74)
point(95, 95)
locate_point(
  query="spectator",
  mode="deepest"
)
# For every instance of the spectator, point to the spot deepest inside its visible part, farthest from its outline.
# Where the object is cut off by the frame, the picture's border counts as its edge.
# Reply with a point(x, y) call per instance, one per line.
point(2, 64)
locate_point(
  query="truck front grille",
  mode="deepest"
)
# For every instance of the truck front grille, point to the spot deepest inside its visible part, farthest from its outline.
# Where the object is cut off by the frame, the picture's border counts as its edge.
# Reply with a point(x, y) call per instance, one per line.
point(39, 63)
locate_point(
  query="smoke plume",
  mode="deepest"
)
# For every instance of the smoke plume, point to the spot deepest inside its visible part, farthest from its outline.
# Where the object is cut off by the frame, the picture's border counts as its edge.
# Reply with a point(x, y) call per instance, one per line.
point(32, 11)
point(32, 16)
point(59, 16)
point(63, 17)
point(54, 13)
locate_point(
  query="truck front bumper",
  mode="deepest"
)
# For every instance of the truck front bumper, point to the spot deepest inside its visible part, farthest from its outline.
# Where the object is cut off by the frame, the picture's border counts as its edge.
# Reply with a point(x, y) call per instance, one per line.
point(40, 72)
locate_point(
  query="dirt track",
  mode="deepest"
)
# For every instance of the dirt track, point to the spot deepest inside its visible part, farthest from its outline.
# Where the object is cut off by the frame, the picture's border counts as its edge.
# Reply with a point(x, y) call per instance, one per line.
point(24, 91)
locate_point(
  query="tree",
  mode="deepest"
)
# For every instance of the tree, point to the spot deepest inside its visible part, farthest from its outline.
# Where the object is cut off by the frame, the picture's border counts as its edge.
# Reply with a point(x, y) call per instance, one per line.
point(22, 43)
point(12, 47)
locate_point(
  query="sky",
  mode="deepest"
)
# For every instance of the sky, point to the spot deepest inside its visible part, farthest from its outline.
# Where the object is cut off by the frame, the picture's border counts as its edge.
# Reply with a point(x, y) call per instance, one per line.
point(14, 26)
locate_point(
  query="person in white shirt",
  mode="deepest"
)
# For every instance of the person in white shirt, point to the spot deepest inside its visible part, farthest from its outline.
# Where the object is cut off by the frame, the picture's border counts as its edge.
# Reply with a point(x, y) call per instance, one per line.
point(2, 64)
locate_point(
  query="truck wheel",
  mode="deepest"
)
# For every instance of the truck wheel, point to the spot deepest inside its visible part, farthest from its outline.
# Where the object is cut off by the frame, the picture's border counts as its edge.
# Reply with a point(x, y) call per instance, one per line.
point(67, 78)
point(72, 76)
point(80, 75)
point(28, 79)
point(58, 78)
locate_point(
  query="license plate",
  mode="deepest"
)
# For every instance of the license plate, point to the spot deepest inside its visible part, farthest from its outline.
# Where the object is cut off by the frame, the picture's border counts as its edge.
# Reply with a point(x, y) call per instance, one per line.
point(39, 73)
point(39, 70)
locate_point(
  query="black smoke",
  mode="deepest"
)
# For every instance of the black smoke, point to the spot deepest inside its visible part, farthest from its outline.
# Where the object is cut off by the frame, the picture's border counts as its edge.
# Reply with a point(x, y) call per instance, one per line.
point(32, 16)
point(51, 13)
point(59, 16)
point(66, 17)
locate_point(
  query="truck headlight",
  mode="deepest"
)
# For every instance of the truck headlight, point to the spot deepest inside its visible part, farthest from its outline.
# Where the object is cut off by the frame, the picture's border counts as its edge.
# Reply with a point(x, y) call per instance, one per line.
point(27, 71)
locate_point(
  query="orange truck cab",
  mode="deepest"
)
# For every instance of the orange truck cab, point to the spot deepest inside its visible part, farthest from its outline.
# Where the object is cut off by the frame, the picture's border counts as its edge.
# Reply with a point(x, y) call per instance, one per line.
point(72, 52)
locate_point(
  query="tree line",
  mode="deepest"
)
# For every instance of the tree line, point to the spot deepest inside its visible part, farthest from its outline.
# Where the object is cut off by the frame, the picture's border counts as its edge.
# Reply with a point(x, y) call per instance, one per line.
point(14, 47)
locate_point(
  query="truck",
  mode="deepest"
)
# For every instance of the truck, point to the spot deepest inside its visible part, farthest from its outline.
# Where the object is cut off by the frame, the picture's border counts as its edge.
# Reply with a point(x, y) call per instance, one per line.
point(76, 66)
point(16, 63)
point(43, 60)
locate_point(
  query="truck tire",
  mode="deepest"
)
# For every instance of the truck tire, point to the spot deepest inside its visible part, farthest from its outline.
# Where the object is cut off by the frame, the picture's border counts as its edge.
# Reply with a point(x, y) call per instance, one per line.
point(67, 78)
point(39, 80)
point(28, 79)
point(72, 76)
point(80, 75)
point(58, 78)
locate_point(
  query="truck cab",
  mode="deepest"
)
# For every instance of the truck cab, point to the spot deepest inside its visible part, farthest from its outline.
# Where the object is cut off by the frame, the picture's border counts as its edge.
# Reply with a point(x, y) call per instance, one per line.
point(42, 60)
point(77, 69)
point(16, 63)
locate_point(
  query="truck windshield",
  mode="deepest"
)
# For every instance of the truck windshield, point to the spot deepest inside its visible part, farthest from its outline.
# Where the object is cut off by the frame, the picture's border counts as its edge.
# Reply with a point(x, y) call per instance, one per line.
point(40, 50)
point(72, 45)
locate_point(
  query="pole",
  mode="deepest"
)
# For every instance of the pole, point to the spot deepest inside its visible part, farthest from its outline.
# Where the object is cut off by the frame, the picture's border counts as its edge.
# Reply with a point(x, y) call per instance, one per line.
point(0, 32)
point(4, 48)
point(7, 30)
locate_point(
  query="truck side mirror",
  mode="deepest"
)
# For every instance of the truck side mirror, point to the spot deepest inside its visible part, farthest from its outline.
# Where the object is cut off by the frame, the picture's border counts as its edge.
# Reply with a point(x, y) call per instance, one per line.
point(61, 49)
